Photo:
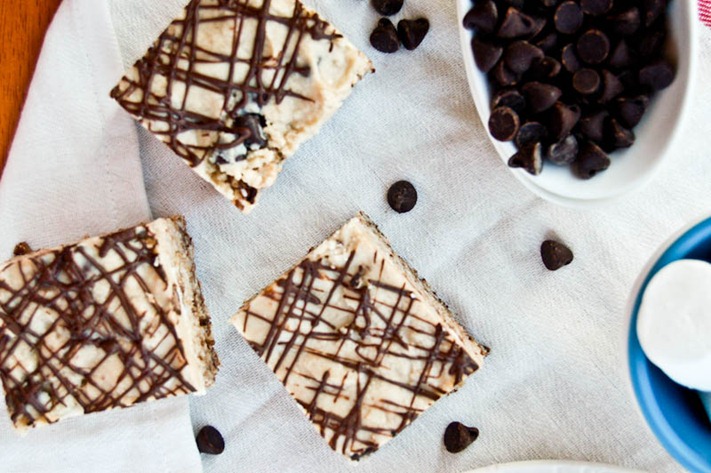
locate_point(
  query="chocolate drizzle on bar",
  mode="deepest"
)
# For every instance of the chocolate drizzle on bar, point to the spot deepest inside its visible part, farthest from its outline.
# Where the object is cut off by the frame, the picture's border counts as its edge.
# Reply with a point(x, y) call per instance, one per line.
point(178, 56)
point(60, 303)
point(377, 334)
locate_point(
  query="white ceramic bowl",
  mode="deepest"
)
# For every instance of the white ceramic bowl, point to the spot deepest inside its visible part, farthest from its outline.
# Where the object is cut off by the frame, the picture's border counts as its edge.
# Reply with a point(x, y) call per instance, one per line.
point(632, 168)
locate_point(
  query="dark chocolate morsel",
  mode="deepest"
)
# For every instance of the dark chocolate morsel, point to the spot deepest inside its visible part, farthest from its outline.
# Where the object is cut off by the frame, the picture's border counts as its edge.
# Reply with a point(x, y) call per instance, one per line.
point(458, 436)
point(482, 18)
point(528, 158)
point(22, 249)
point(555, 255)
point(511, 98)
point(591, 161)
point(564, 152)
point(620, 57)
point(568, 17)
point(562, 120)
point(611, 86)
point(549, 3)
point(384, 37)
point(210, 441)
point(540, 96)
point(618, 136)
point(593, 46)
point(586, 81)
point(504, 124)
point(652, 43)
point(545, 69)
point(530, 133)
point(486, 55)
point(402, 197)
point(548, 42)
point(249, 126)
point(520, 54)
point(657, 76)
point(652, 9)
point(569, 58)
point(505, 76)
point(517, 24)
point(413, 32)
point(592, 126)
point(625, 23)
point(596, 7)
point(630, 110)
point(387, 7)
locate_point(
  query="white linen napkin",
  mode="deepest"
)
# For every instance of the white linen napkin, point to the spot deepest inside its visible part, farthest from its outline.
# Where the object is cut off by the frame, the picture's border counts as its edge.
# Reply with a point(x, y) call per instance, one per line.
point(74, 171)
point(555, 384)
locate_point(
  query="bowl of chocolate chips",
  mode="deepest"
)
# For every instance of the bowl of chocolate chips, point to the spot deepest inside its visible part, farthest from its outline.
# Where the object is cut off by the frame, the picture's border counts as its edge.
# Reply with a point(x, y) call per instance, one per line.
point(582, 99)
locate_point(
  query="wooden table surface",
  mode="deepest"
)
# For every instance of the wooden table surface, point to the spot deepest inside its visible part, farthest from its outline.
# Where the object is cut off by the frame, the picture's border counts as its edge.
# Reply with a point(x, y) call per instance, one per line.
point(22, 27)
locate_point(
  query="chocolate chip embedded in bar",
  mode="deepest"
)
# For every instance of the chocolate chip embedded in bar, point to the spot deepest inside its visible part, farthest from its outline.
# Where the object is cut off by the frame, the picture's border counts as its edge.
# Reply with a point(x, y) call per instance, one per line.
point(235, 86)
point(360, 342)
point(108, 322)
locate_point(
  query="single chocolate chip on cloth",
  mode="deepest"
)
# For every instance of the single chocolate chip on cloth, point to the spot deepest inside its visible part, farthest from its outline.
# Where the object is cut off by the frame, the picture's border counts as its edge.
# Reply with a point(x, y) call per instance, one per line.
point(384, 37)
point(387, 7)
point(402, 197)
point(458, 437)
point(555, 255)
point(21, 249)
point(413, 32)
point(210, 441)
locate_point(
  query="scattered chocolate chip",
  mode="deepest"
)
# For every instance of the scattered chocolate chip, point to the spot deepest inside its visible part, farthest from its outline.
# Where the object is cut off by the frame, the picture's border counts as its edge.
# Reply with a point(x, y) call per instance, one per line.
point(652, 42)
point(517, 24)
point(545, 69)
point(564, 152)
point(402, 197)
point(652, 9)
point(568, 17)
point(563, 119)
point(593, 126)
point(548, 42)
point(591, 160)
point(520, 54)
point(540, 96)
point(611, 86)
point(529, 158)
point(210, 441)
point(458, 436)
point(586, 81)
point(249, 126)
point(593, 46)
point(21, 249)
point(625, 23)
point(503, 124)
point(555, 255)
point(620, 57)
point(569, 58)
point(412, 32)
point(549, 3)
point(504, 76)
point(596, 7)
point(384, 37)
point(531, 133)
point(387, 7)
point(511, 98)
point(482, 18)
point(657, 75)
point(486, 55)
point(618, 136)
point(630, 110)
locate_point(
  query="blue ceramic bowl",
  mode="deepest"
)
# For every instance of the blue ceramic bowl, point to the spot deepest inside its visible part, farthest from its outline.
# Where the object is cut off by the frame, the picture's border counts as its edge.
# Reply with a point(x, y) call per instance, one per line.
point(674, 413)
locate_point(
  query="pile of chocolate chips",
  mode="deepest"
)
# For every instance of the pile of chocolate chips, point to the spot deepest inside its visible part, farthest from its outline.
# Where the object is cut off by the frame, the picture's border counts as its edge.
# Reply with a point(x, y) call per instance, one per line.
point(386, 38)
point(570, 79)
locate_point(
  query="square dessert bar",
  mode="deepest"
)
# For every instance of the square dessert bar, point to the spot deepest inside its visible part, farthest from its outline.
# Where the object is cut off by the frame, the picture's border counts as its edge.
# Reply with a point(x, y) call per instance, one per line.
point(108, 322)
point(359, 341)
point(235, 86)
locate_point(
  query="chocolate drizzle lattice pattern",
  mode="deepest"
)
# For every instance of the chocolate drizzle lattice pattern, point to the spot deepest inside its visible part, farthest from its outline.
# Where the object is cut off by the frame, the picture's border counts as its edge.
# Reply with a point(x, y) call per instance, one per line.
point(355, 351)
point(250, 72)
point(85, 328)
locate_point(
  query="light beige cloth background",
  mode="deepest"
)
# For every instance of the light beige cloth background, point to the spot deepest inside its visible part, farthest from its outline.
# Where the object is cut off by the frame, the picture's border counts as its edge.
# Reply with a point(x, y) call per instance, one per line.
point(555, 384)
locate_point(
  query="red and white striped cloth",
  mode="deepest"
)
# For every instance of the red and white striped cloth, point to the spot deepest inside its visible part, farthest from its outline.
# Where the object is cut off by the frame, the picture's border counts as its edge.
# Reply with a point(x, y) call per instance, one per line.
point(705, 11)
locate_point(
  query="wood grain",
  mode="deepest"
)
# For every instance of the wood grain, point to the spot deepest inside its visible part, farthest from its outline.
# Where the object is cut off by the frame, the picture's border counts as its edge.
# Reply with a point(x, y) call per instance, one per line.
point(23, 24)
